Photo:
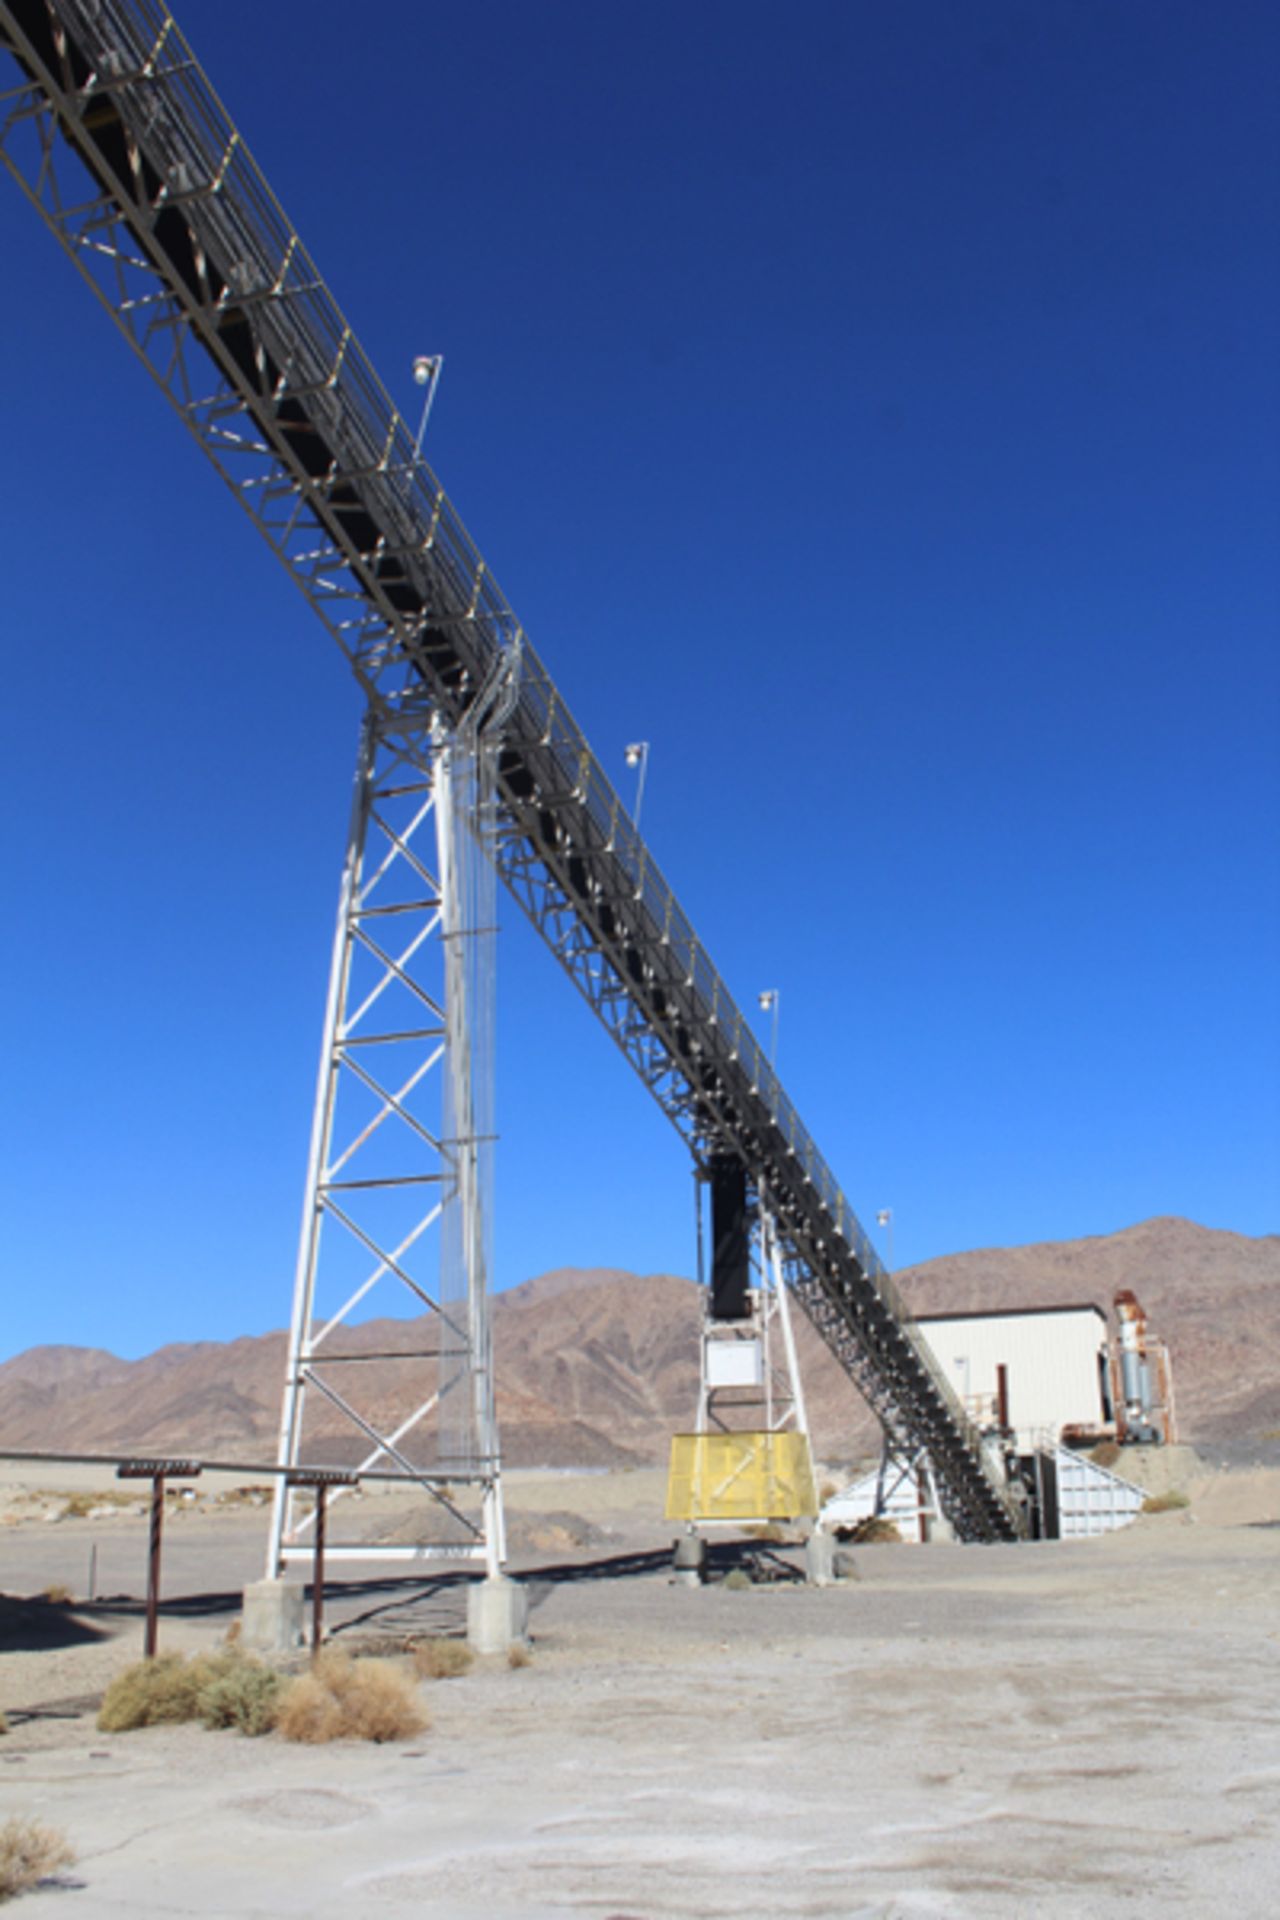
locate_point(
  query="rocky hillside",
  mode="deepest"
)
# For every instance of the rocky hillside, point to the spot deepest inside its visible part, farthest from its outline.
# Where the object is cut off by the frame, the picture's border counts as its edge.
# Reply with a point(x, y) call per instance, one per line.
point(1213, 1296)
point(598, 1368)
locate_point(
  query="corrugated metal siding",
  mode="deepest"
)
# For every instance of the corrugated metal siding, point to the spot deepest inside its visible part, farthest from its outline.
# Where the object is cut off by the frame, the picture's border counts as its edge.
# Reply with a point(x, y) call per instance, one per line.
point(1052, 1362)
point(1091, 1499)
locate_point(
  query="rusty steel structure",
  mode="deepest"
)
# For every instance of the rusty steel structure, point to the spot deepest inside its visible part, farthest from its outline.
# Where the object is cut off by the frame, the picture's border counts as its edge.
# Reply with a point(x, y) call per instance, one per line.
point(157, 1472)
point(112, 130)
point(1141, 1378)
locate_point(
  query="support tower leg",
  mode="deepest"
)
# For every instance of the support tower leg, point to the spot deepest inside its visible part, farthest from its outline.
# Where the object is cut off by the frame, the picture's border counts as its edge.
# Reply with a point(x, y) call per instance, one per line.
point(397, 1211)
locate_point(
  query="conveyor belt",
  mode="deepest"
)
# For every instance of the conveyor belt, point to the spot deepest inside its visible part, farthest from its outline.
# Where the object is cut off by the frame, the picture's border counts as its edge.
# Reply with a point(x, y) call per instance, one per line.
point(183, 241)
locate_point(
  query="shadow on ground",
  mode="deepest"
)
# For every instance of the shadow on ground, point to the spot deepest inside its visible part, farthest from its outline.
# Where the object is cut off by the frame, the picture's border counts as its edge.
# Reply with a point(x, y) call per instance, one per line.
point(388, 1602)
point(41, 1626)
point(407, 1602)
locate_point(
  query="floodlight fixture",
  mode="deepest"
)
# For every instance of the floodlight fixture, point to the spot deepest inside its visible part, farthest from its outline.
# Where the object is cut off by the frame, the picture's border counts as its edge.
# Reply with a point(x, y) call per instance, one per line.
point(884, 1218)
point(771, 1002)
point(426, 373)
point(636, 756)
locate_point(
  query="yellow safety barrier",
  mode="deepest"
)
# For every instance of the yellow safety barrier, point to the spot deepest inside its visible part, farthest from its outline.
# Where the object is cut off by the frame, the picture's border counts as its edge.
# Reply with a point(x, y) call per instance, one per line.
point(741, 1476)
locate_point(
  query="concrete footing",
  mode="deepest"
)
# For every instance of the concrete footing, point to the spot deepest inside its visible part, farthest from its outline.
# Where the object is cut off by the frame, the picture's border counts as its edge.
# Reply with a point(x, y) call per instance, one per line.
point(497, 1615)
point(826, 1562)
point(274, 1616)
point(689, 1560)
point(820, 1559)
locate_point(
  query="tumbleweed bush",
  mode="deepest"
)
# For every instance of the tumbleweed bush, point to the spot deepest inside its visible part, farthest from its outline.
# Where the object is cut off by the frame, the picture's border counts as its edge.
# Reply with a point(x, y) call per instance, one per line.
point(1170, 1502)
point(442, 1659)
point(29, 1852)
point(151, 1693)
point(226, 1689)
point(345, 1699)
point(240, 1693)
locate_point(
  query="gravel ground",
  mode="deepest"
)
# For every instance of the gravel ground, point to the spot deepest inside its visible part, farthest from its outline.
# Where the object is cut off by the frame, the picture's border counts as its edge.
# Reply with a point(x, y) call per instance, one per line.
point(1068, 1730)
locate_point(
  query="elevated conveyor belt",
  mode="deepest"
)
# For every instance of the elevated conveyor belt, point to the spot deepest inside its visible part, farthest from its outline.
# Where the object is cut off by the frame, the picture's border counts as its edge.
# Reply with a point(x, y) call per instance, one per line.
point(180, 236)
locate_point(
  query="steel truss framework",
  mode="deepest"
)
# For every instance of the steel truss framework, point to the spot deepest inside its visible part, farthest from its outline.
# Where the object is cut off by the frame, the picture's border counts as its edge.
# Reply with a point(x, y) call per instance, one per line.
point(777, 1404)
point(180, 236)
point(400, 1145)
point(917, 1471)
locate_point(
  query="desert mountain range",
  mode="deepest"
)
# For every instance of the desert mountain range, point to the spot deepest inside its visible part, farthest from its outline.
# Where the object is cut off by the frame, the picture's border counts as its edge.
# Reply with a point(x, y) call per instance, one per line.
point(598, 1367)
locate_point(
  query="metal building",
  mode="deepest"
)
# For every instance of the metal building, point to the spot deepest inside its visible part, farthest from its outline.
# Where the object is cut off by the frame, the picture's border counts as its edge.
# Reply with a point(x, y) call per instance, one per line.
point(1040, 1384)
point(1034, 1372)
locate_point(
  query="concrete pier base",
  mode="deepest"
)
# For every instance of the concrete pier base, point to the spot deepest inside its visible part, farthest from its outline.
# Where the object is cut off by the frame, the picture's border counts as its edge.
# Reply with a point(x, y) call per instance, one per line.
point(689, 1560)
point(497, 1615)
point(826, 1562)
point(820, 1559)
point(274, 1616)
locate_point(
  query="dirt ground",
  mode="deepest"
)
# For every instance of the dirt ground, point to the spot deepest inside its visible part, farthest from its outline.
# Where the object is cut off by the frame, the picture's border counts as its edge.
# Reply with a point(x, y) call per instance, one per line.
point(1073, 1729)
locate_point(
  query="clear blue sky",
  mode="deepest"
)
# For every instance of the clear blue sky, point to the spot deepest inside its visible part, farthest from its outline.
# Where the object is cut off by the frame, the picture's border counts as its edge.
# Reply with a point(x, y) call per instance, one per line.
point(875, 408)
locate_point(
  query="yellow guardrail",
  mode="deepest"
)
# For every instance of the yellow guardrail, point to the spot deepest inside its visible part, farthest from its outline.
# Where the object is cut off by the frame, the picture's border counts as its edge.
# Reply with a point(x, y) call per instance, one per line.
point(741, 1476)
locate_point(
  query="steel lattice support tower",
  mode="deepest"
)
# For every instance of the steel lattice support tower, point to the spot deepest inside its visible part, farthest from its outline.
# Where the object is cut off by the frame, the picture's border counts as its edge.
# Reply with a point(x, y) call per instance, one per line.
point(115, 135)
point(398, 1184)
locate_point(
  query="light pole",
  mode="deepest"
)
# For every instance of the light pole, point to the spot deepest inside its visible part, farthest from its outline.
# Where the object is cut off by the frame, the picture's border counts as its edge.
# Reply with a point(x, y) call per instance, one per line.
point(770, 1002)
point(426, 373)
point(885, 1219)
point(637, 757)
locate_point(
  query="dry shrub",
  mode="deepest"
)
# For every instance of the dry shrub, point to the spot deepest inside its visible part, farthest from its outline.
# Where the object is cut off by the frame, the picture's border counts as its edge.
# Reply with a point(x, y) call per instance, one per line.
point(56, 1594)
point(827, 1491)
point(1105, 1454)
point(345, 1699)
point(242, 1694)
point(309, 1712)
point(80, 1505)
point(737, 1580)
point(518, 1655)
point(222, 1689)
point(442, 1659)
point(874, 1531)
point(29, 1852)
point(1165, 1502)
point(151, 1693)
